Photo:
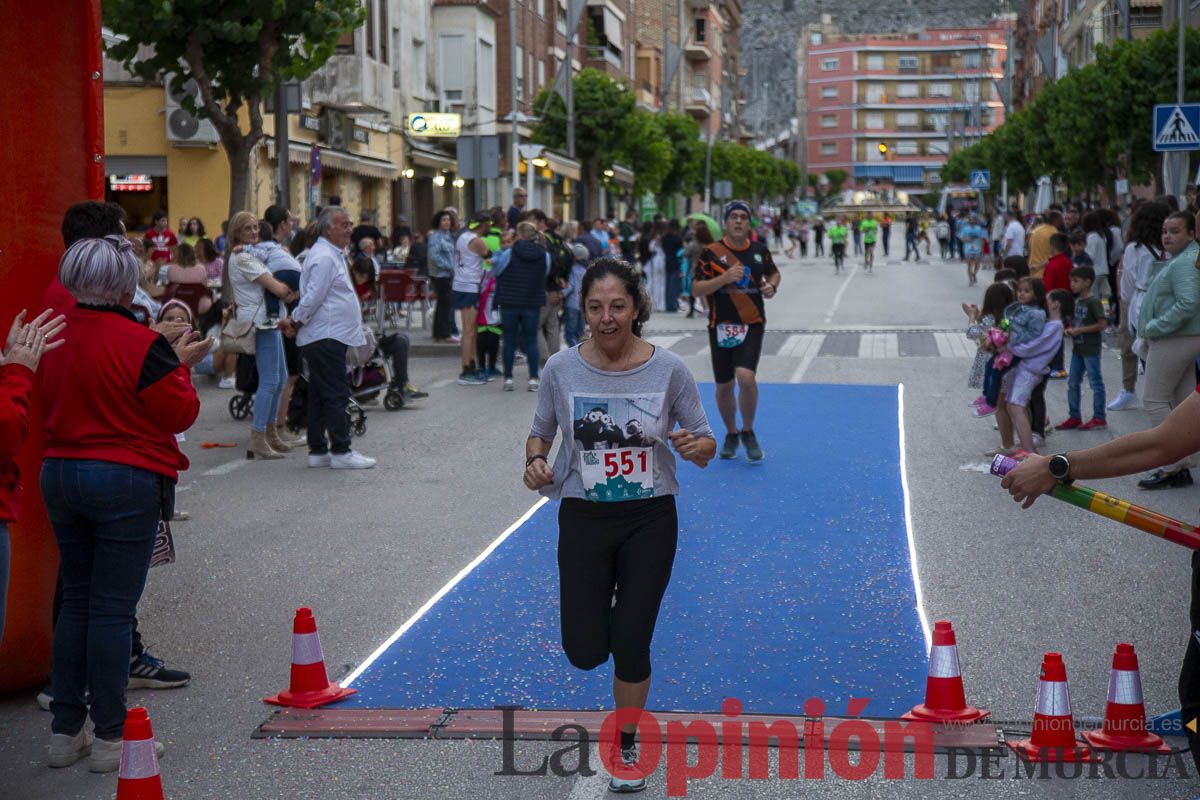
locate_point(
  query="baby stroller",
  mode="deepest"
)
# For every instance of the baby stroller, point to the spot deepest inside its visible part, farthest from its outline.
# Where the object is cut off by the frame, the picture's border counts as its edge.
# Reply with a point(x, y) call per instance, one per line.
point(245, 380)
point(376, 367)
point(297, 413)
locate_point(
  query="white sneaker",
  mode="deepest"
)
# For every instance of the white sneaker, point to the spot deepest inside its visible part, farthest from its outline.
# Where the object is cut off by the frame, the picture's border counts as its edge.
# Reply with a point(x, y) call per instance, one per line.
point(226, 383)
point(351, 460)
point(533, 384)
point(316, 461)
point(106, 755)
point(66, 750)
point(508, 384)
point(1038, 441)
point(1124, 401)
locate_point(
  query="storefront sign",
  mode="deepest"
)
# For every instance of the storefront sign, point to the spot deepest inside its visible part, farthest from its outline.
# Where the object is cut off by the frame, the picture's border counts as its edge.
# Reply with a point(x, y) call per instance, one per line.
point(447, 125)
point(131, 183)
point(360, 135)
point(310, 123)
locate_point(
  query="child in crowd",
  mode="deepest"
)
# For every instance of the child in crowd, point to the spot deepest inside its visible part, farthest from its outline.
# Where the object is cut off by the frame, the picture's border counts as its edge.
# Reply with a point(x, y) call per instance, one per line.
point(1022, 381)
point(1018, 264)
point(487, 321)
point(206, 254)
point(1079, 256)
point(1087, 325)
point(1023, 322)
point(979, 320)
point(1006, 276)
point(1057, 277)
point(572, 310)
point(362, 273)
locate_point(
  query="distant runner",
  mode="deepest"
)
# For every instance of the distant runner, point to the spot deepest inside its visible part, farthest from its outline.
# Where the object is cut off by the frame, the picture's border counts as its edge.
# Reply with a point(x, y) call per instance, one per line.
point(870, 232)
point(736, 274)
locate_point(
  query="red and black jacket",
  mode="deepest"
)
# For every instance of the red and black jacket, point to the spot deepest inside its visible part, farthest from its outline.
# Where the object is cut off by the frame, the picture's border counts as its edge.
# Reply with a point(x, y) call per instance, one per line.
point(116, 392)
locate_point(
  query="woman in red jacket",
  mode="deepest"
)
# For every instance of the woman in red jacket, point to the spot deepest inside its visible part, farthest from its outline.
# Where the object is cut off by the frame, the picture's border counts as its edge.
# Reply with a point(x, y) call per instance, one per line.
point(18, 362)
point(115, 396)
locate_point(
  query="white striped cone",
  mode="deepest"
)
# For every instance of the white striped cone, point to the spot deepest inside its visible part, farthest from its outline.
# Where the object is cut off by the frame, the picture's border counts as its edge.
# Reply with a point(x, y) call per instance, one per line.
point(945, 698)
point(1053, 737)
point(1125, 714)
point(138, 778)
point(310, 686)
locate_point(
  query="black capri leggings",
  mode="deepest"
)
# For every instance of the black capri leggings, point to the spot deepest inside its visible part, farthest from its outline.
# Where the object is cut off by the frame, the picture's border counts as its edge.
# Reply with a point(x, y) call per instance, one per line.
point(628, 547)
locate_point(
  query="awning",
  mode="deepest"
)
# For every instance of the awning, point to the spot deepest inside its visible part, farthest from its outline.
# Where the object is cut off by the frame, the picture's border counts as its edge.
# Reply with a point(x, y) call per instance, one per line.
point(622, 175)
point(342, 162)
point(909, 174)
point(563, 165)
point(431, 159)
point(612, 29)
point(155, 166)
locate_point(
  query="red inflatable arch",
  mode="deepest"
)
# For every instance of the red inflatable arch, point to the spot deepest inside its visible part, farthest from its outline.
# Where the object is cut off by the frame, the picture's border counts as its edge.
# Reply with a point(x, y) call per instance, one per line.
point(52, 129)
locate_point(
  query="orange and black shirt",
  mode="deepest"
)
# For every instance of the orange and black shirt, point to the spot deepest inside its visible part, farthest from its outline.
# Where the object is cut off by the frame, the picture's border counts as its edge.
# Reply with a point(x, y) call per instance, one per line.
point(736, 302)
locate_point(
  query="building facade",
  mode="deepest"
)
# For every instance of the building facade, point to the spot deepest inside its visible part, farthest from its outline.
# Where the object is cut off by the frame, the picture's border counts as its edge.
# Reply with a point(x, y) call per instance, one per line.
point(889, 110)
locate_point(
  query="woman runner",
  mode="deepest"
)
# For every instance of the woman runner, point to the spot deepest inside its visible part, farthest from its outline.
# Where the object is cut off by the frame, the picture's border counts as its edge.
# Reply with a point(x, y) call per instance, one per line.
point(616, 399)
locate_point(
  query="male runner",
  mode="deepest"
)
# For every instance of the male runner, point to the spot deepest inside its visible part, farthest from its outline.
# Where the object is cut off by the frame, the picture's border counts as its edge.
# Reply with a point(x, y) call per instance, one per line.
point(737, 274)
point(870, 232)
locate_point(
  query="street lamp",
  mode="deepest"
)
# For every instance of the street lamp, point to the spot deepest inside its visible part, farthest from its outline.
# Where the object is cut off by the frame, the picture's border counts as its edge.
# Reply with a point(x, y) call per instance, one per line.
point(459, 183)
point(407, 173)
point(439, 180)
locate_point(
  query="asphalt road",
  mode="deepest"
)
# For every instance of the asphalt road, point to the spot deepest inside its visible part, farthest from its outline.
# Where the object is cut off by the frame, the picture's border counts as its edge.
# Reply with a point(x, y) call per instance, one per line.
point(367, 549)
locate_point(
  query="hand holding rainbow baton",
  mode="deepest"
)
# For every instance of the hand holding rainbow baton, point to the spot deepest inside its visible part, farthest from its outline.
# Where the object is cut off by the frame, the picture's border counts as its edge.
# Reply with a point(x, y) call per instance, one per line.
point(1114, 508)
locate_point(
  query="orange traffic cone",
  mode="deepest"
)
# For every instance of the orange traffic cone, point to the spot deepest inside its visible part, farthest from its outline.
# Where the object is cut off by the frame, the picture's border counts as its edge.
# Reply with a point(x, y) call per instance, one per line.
point(138, 778)
point(1053, 736)
point(1125, 715)
point(945, 700)
point(310, 686)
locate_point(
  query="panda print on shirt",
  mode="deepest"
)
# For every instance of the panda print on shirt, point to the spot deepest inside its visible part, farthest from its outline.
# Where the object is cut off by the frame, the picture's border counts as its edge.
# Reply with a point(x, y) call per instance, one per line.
point(615, 438)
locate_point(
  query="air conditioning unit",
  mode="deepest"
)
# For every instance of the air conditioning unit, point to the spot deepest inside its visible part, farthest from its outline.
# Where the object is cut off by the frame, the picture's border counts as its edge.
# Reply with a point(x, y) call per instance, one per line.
point(183, 128)
point(336, 128)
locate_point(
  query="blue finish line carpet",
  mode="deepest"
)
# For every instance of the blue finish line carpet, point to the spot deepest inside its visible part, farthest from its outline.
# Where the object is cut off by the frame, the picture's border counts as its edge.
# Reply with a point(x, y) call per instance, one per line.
point(792, 580)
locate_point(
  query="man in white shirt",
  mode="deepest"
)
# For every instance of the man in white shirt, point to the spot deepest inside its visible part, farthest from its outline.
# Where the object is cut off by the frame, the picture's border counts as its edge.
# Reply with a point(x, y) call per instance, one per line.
point(327, 322)
point(1014, 234)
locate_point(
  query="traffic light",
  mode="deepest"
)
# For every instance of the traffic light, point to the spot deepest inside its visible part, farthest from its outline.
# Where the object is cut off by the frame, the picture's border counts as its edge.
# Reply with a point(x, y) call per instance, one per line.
point(885, 151)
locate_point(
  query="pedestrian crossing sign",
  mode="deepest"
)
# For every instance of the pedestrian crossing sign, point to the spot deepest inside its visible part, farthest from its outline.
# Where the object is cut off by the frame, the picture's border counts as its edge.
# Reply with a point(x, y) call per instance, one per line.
point(1176, 127)
point(981, 179)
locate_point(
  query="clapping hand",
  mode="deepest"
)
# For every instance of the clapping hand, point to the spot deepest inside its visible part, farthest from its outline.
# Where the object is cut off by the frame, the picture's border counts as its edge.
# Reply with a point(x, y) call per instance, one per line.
point(27, 343)
point(190, 349)
point(172, 331)
point(689, 447)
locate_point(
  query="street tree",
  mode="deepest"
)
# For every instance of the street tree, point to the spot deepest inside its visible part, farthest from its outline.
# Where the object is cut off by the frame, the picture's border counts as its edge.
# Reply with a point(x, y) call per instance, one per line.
point(686, 173)
point(235, 51)
point(603, 108)
point(645, 148)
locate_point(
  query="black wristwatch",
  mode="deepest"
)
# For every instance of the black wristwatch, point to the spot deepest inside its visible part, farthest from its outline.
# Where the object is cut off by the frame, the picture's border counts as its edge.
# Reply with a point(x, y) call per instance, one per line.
point(534, 458)
point(1060, 468)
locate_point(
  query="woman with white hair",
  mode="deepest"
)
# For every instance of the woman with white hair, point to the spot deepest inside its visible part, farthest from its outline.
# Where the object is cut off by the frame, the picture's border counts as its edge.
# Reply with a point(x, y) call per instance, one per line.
point(114, 396)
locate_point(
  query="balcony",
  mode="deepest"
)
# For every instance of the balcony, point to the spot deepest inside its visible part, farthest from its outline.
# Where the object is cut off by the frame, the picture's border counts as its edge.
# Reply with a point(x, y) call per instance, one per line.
point(352, 82)
point(698, 100)
point(697, 51)
point(699, 5)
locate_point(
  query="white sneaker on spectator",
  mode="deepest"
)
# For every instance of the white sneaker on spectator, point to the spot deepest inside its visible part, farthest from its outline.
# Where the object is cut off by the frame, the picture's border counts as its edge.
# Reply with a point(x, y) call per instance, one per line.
point(318, 460)
point(106, 755)
point(351, 460)
point(66, 750)
point(1124, 401)
point(226, 383)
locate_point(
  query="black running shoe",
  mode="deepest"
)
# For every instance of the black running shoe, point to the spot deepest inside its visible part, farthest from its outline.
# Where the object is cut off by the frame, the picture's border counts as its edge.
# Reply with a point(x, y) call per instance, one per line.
point(729, 449)
point(750, 442)
point(148, 672)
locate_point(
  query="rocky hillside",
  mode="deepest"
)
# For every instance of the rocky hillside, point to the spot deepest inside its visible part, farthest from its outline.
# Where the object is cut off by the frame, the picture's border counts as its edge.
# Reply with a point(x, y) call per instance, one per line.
point(771, 30)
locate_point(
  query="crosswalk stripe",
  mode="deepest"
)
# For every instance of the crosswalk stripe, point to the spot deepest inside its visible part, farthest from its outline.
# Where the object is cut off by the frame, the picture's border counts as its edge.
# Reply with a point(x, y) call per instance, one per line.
point(879, 345)
point(954, 345)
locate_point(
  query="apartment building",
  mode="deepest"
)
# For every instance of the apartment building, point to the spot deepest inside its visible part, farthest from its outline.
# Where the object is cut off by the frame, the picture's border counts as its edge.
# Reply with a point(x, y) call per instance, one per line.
point(706, 35)
point(923, 96)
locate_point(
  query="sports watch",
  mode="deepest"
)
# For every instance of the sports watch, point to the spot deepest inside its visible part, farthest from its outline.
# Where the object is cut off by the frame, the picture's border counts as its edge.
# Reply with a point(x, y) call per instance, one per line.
point(1060, 468)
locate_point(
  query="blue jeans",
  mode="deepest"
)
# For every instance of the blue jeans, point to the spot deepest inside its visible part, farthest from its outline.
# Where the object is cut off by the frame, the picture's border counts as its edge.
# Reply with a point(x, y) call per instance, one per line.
point(105, 516)
point(572, 325)
point(272, 375)
point(520, 323)
point(3, 573)
point(1092, 365)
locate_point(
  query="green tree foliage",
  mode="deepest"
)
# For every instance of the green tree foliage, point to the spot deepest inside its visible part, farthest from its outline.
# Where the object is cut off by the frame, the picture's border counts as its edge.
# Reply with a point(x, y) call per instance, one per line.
point(686, 173)
point(235, 50)
point(1090, 124)
point(664, 151)
point(644, 146)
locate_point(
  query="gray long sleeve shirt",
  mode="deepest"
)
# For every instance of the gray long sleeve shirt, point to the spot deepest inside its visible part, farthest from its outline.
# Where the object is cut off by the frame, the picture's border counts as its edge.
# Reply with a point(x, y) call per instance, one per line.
point(615, 425)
